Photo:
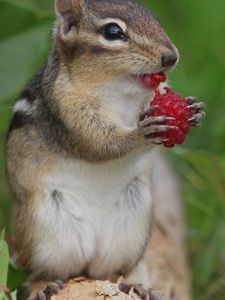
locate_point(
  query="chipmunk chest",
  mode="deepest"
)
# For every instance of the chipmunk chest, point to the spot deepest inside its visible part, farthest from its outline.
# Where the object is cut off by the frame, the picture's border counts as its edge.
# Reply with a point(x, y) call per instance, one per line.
point(123, 100)
point(100, 186)
point(96, 202)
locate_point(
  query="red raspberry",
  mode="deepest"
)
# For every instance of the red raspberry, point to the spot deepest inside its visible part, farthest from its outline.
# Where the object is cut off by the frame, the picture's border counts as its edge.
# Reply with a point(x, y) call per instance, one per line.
point(153, 80)
point(172, 104)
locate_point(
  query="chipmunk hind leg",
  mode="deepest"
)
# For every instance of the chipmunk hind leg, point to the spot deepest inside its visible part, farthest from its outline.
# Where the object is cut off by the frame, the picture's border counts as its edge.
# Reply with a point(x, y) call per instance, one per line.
point(140, 281)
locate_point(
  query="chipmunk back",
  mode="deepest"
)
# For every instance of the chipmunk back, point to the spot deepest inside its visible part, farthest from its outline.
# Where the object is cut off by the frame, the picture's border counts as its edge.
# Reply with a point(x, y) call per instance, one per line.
point(78, 153)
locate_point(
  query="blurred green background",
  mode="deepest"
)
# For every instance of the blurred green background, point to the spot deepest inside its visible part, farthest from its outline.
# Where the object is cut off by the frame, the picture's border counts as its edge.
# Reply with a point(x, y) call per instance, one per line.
point(198, 29)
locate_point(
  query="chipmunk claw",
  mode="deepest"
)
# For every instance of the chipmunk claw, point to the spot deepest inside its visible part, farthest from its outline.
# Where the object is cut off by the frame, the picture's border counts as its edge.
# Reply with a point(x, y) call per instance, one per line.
point(40, 296)
point(156, 119)
point(196, 110)
point(51, 289)
point(150, 125)
point(144, 294)
point(195, 120)
point(149, 130)
point(158, 140)
point(147, 111)
point(191, 99)
point(197, 107)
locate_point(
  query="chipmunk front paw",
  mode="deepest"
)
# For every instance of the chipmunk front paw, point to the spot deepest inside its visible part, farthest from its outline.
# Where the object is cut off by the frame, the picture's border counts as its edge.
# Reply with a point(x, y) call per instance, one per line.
point(150, 125)
point(144, 294)
point(197, 111)
point(51, 289)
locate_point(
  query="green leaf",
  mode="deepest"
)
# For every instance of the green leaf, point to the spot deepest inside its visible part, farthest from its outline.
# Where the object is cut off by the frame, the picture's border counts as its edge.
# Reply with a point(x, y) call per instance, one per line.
point(39, 7)
point(2, 296)
point(16, 278)
point(20, 56)
point(22, 19)
point(4, 261)
point(14, 295)
point(43, 5)
point(2, 234)
point(204, 192)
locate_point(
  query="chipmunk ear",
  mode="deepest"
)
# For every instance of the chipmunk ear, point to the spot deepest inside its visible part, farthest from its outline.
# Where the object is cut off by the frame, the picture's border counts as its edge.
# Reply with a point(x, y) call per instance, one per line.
point(69, 13)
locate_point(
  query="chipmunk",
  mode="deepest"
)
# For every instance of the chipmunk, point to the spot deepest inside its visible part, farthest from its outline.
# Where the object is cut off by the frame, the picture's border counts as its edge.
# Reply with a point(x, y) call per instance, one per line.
point(78, 153)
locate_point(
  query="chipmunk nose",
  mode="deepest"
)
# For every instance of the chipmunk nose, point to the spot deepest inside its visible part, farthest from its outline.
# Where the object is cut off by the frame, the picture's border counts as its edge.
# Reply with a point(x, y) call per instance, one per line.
point(169, 60)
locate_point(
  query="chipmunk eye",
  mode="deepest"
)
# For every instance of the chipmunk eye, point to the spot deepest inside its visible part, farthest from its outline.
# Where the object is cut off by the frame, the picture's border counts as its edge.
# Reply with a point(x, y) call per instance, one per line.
point(113, 31)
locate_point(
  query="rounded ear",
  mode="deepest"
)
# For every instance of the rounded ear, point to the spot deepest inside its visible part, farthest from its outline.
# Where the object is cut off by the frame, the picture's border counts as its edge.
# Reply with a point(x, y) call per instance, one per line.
point(69, 14)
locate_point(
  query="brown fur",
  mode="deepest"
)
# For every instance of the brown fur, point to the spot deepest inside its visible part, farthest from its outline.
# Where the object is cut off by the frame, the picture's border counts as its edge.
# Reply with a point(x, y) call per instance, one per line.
point(28, 161)
point(69, 119)
point(138, 18)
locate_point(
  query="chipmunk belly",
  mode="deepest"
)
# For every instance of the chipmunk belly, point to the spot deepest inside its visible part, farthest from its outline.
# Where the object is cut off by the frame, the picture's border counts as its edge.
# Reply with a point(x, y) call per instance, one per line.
point(97, 216)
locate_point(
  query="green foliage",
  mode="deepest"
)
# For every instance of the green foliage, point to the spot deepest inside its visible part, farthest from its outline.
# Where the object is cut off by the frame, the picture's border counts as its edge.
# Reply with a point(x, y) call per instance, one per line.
point(10, 276)
point(204, 191)
point(24, 45)
point(4, 260)
point(197, 28)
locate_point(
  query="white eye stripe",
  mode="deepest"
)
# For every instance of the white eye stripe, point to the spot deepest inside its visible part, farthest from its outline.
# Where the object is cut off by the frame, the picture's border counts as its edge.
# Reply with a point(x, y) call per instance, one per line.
point(106, 21)
point(112, 44)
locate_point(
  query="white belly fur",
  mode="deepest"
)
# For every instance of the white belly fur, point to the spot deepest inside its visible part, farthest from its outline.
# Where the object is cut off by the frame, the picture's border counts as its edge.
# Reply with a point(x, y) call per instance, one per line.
point(101, 222)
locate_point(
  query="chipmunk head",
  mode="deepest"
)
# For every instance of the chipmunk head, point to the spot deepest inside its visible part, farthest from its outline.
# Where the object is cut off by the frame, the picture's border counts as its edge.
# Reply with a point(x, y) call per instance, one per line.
point(107, 38)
